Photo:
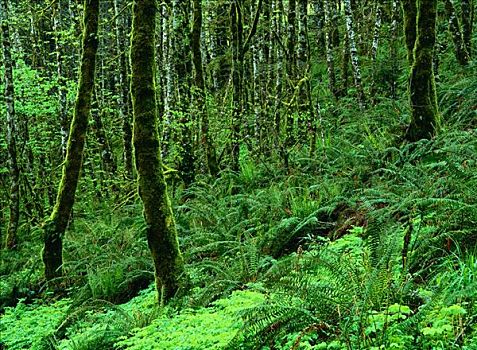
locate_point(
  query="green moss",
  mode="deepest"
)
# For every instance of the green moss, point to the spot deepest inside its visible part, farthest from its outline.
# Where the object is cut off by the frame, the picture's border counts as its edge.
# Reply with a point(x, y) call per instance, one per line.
point(161, 230)
point(58, 222)
point(422, 90)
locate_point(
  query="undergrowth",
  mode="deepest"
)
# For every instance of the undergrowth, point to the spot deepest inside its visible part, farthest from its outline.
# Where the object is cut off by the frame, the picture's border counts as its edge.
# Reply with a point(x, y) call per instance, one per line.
point(367, 244)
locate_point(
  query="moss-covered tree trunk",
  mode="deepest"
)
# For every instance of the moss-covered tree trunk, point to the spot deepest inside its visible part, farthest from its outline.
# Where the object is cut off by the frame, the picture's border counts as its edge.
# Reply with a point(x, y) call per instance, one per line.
point(161, 230)
point(422, 91)
point(454, 28)
point(55, 227)
point(14, 170)
point(409, 8)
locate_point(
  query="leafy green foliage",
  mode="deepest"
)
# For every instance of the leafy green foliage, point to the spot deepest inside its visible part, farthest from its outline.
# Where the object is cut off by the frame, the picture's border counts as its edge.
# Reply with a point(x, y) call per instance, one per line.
point(26, 326)
point(208, 328)
point(365, 243)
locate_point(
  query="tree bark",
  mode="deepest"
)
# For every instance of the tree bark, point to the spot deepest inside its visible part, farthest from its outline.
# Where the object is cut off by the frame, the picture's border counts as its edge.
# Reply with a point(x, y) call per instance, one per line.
point(183, 72)
point(11, 236)
point(374, 49)
point(62, 113)
point(422, 91)
point(329, 49)
point(393, 48)
point(354, 53)
point(55, 227)
point(107, 157)
point(199, 82)
point(409, 8)
point(454, 28)
point(161, 230)
point(467, 20)
point(123, 98)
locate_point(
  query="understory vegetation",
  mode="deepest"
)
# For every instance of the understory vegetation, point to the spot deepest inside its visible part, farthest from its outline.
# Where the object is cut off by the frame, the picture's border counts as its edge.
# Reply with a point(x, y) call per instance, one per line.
point(370, 245)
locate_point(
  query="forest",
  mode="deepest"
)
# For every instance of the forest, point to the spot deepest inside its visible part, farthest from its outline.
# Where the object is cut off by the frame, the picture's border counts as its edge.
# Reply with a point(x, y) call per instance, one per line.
point(238, 174)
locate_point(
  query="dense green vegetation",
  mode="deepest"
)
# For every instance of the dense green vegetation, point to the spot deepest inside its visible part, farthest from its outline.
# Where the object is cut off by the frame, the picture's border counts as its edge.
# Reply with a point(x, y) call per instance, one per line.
point(331, 230)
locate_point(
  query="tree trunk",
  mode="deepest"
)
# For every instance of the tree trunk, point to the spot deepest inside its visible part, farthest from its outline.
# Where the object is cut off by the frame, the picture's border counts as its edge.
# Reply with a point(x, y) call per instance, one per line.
point(291, 75)
point(329, 50)
point(183, 72)
point(467, 20)
point(123, 98)
point(237, 78)
point(343, 90)
point(422, 91)
point(377, 29)
point(393, 54)
point(11, 237)
point(374, 49)
point(56, 226)
point(169, 72)
point(161, 230)
point(454, 28)
point(354, 53)
point(409, 8)
point(199, 81)
point(107, 157)
point(62, 113)
point(280, 58)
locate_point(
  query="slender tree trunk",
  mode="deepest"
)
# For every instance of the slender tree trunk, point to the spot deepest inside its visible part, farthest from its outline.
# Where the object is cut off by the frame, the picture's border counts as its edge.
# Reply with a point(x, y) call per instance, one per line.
point(354, 53)
point(160, 230)
point(307, 119)
point(291, 43)
point(319, 19)
point(467, 20)
point(11, 237)
point(56, 226)
point(123, 98)
point(107, 158)
point(329, 49)
point(376, 32)
point(291, 75)
point(422, 91)
point(266, 61)
point(410, 16)
point(280, 57)
point(393, 54)
point(304, 98)
point(199, 81)
point(183, 70)
point(169, 93)
point(62, 113)
point(454, 28)
point(343, 91)
point(237, 79)
point(374, 49)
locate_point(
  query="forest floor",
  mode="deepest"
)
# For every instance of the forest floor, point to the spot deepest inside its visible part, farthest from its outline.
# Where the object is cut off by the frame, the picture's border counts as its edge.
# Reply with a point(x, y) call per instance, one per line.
point(367, 244)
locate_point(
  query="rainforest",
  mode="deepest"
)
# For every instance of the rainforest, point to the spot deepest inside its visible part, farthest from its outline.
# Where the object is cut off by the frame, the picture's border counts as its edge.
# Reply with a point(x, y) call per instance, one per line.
point(238, 174)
